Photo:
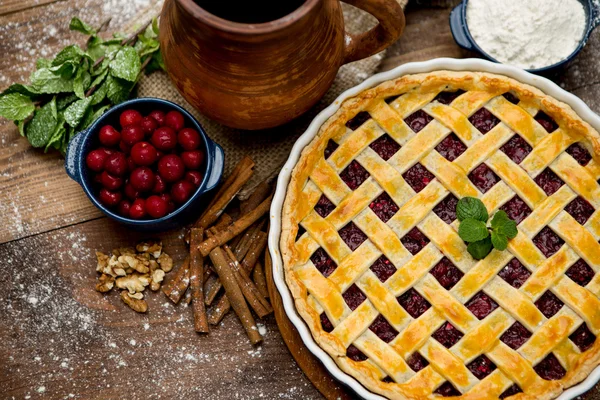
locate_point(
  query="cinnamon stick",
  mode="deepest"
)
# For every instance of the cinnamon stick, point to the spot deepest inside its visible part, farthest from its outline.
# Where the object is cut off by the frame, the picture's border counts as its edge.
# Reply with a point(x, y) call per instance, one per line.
point(260, 280)
point(247, 239)
point(234, 183)
point(223, 221)
point(261, 192)
point(219, 310)
point(196, 286)
point(175, 288)
point(211, 289)
point(236, 228)
point(254, 252)
point(234, 293)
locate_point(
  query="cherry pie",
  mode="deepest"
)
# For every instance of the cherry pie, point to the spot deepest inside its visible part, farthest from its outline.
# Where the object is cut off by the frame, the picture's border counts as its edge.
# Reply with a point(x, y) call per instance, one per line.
point(382, 279)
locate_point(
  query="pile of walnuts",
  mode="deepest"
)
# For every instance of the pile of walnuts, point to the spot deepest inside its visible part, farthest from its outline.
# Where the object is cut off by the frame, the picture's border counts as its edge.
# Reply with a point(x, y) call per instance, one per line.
point(132, 270)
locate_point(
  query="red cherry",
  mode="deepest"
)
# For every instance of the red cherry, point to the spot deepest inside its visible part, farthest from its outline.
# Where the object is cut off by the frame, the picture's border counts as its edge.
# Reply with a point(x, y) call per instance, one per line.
point(132, 134)
point(159, 185)
point(156, 207)
point(130, 117)
point(106, 151)
point(171, 168)
point(116, 164)
point(131, 192)
point(182, 191)
point(174, 119)
point(148, 125)
point(95, 160)
point(193, 177)
point(124, 207)
point(109, 136)
point(143, 153)
point(109, 181)
point(124, 147)
point(138, 209)
point(159, 117)
point(188, 138)
point(142, 179)
point(108, 198)
point(164, 138)
point(192, 159)
point(97, 178)
point(130, 164)
point(170, 204)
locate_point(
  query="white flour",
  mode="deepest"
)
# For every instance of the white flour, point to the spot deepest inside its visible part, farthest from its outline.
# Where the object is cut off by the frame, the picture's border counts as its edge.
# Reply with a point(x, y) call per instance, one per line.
point(527, 33)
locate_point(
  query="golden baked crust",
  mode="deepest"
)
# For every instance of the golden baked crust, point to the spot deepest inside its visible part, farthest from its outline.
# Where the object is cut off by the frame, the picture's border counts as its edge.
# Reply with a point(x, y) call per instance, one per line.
point(314, 293)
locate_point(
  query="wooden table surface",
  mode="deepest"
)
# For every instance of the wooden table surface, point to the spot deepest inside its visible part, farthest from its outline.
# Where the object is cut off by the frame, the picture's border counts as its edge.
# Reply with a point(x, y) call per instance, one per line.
point(59, 338)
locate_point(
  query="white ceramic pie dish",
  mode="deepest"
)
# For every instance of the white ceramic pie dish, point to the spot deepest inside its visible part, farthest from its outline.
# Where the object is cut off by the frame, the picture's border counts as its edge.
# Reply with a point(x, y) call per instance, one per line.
point(543, 84)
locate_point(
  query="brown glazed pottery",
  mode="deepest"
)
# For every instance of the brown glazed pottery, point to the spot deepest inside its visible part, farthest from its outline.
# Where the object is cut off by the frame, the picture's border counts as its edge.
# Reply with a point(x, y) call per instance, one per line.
point(255, 76)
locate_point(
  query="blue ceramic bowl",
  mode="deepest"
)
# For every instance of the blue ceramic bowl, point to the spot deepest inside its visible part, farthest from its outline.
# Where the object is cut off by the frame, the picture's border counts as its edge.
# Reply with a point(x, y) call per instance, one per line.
point(87, 140)
point(462, 36)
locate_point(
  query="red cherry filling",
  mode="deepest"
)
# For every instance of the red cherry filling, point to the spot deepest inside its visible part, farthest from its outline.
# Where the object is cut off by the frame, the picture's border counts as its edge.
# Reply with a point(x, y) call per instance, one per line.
point(446, 209)
point(354, 175)
point(385, 146)
point(174, 119)
point(580, 273)
point(382, 328)
point(323, 262)
point(483, 178)
point(130, 117)
point(414, 304)
point(416, 362)
point(383, 268)
point(514, 273)
point(355, 354)
point(548, 242)
point(580, 209)
point(451, 147)
point(324, 206)
point(481, 367)
point(511, 97)
point(142, 179)
point(109, 136)
point(583, 337)
point(448, 97)
point(358, 120)
point(164, 138)
point(447, 390)
point(301, 231)
point(549, 181)
point(579, 153)
point(447, 335)
point(446, 273)
point(354, 297)
point(516, 209)
point(95, 160)
point(481, 305)
point(484, 120)
point(516, 149)
point(511, 391)
point(352, 236)
point(418, 120)
point(414, 241)
point(418, 177)
point(384, 207)
point(550, 369)
point(326, 323)
point(549, 304)
point(546, 121)
point(331, 147)
point(171, 168)
point(515, 336)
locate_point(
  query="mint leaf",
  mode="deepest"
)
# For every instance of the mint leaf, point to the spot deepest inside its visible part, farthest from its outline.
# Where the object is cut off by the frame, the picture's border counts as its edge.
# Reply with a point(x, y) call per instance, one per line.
point(117, 89)
point(64, 100)
point(99, 94)
point(80, 26)
point(75, 112)
point(46, 82)
point(91, 115)
point(499, 241)
point(502, 224)
point(43, 63)
point(21, 127)
point(471, 230)
point(42, 125)
point(126, 64)
point(20, 88)
point(16, 106)
point(156, 63)
point(72, 53)
point(81, 82)
point(479, 250)
point(155, 25)
point(471, 207)
point(57, 136)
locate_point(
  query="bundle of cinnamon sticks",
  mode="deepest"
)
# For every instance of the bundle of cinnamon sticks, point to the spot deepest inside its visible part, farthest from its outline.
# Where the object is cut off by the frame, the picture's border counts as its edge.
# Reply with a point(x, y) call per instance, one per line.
point(227, 243)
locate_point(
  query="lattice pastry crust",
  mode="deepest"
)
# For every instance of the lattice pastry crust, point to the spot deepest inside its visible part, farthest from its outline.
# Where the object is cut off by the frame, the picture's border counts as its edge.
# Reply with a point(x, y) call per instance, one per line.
point(379, 273)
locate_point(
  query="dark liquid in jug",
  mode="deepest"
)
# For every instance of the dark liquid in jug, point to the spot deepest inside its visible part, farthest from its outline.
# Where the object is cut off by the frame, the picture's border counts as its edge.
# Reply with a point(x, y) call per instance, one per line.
point(250, 11)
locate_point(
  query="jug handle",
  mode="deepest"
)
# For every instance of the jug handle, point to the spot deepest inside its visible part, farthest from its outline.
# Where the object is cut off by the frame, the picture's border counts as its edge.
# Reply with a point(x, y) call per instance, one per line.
point(388, 30)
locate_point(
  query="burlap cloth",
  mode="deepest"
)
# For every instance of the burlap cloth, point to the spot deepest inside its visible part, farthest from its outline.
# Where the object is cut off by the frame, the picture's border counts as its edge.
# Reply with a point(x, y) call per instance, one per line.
point(270, 148)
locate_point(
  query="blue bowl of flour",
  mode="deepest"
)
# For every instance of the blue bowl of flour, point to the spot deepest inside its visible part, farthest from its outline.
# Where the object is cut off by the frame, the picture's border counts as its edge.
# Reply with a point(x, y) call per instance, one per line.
point(462, 35)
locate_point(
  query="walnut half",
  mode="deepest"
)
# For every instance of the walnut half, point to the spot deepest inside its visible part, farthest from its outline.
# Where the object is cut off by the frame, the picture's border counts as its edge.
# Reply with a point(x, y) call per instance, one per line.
point(105, 283)
point(135, 304)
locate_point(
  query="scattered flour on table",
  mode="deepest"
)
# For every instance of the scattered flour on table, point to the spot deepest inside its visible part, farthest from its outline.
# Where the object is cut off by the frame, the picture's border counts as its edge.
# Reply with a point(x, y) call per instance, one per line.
point(528, 34)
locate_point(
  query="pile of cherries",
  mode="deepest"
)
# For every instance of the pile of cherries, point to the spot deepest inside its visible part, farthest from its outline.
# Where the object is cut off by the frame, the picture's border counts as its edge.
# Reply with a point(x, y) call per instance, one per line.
point(148, 168)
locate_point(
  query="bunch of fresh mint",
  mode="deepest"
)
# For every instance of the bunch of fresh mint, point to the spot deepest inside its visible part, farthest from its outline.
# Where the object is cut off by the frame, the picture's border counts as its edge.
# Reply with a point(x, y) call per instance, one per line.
point(473, 228)
point(66, 94)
